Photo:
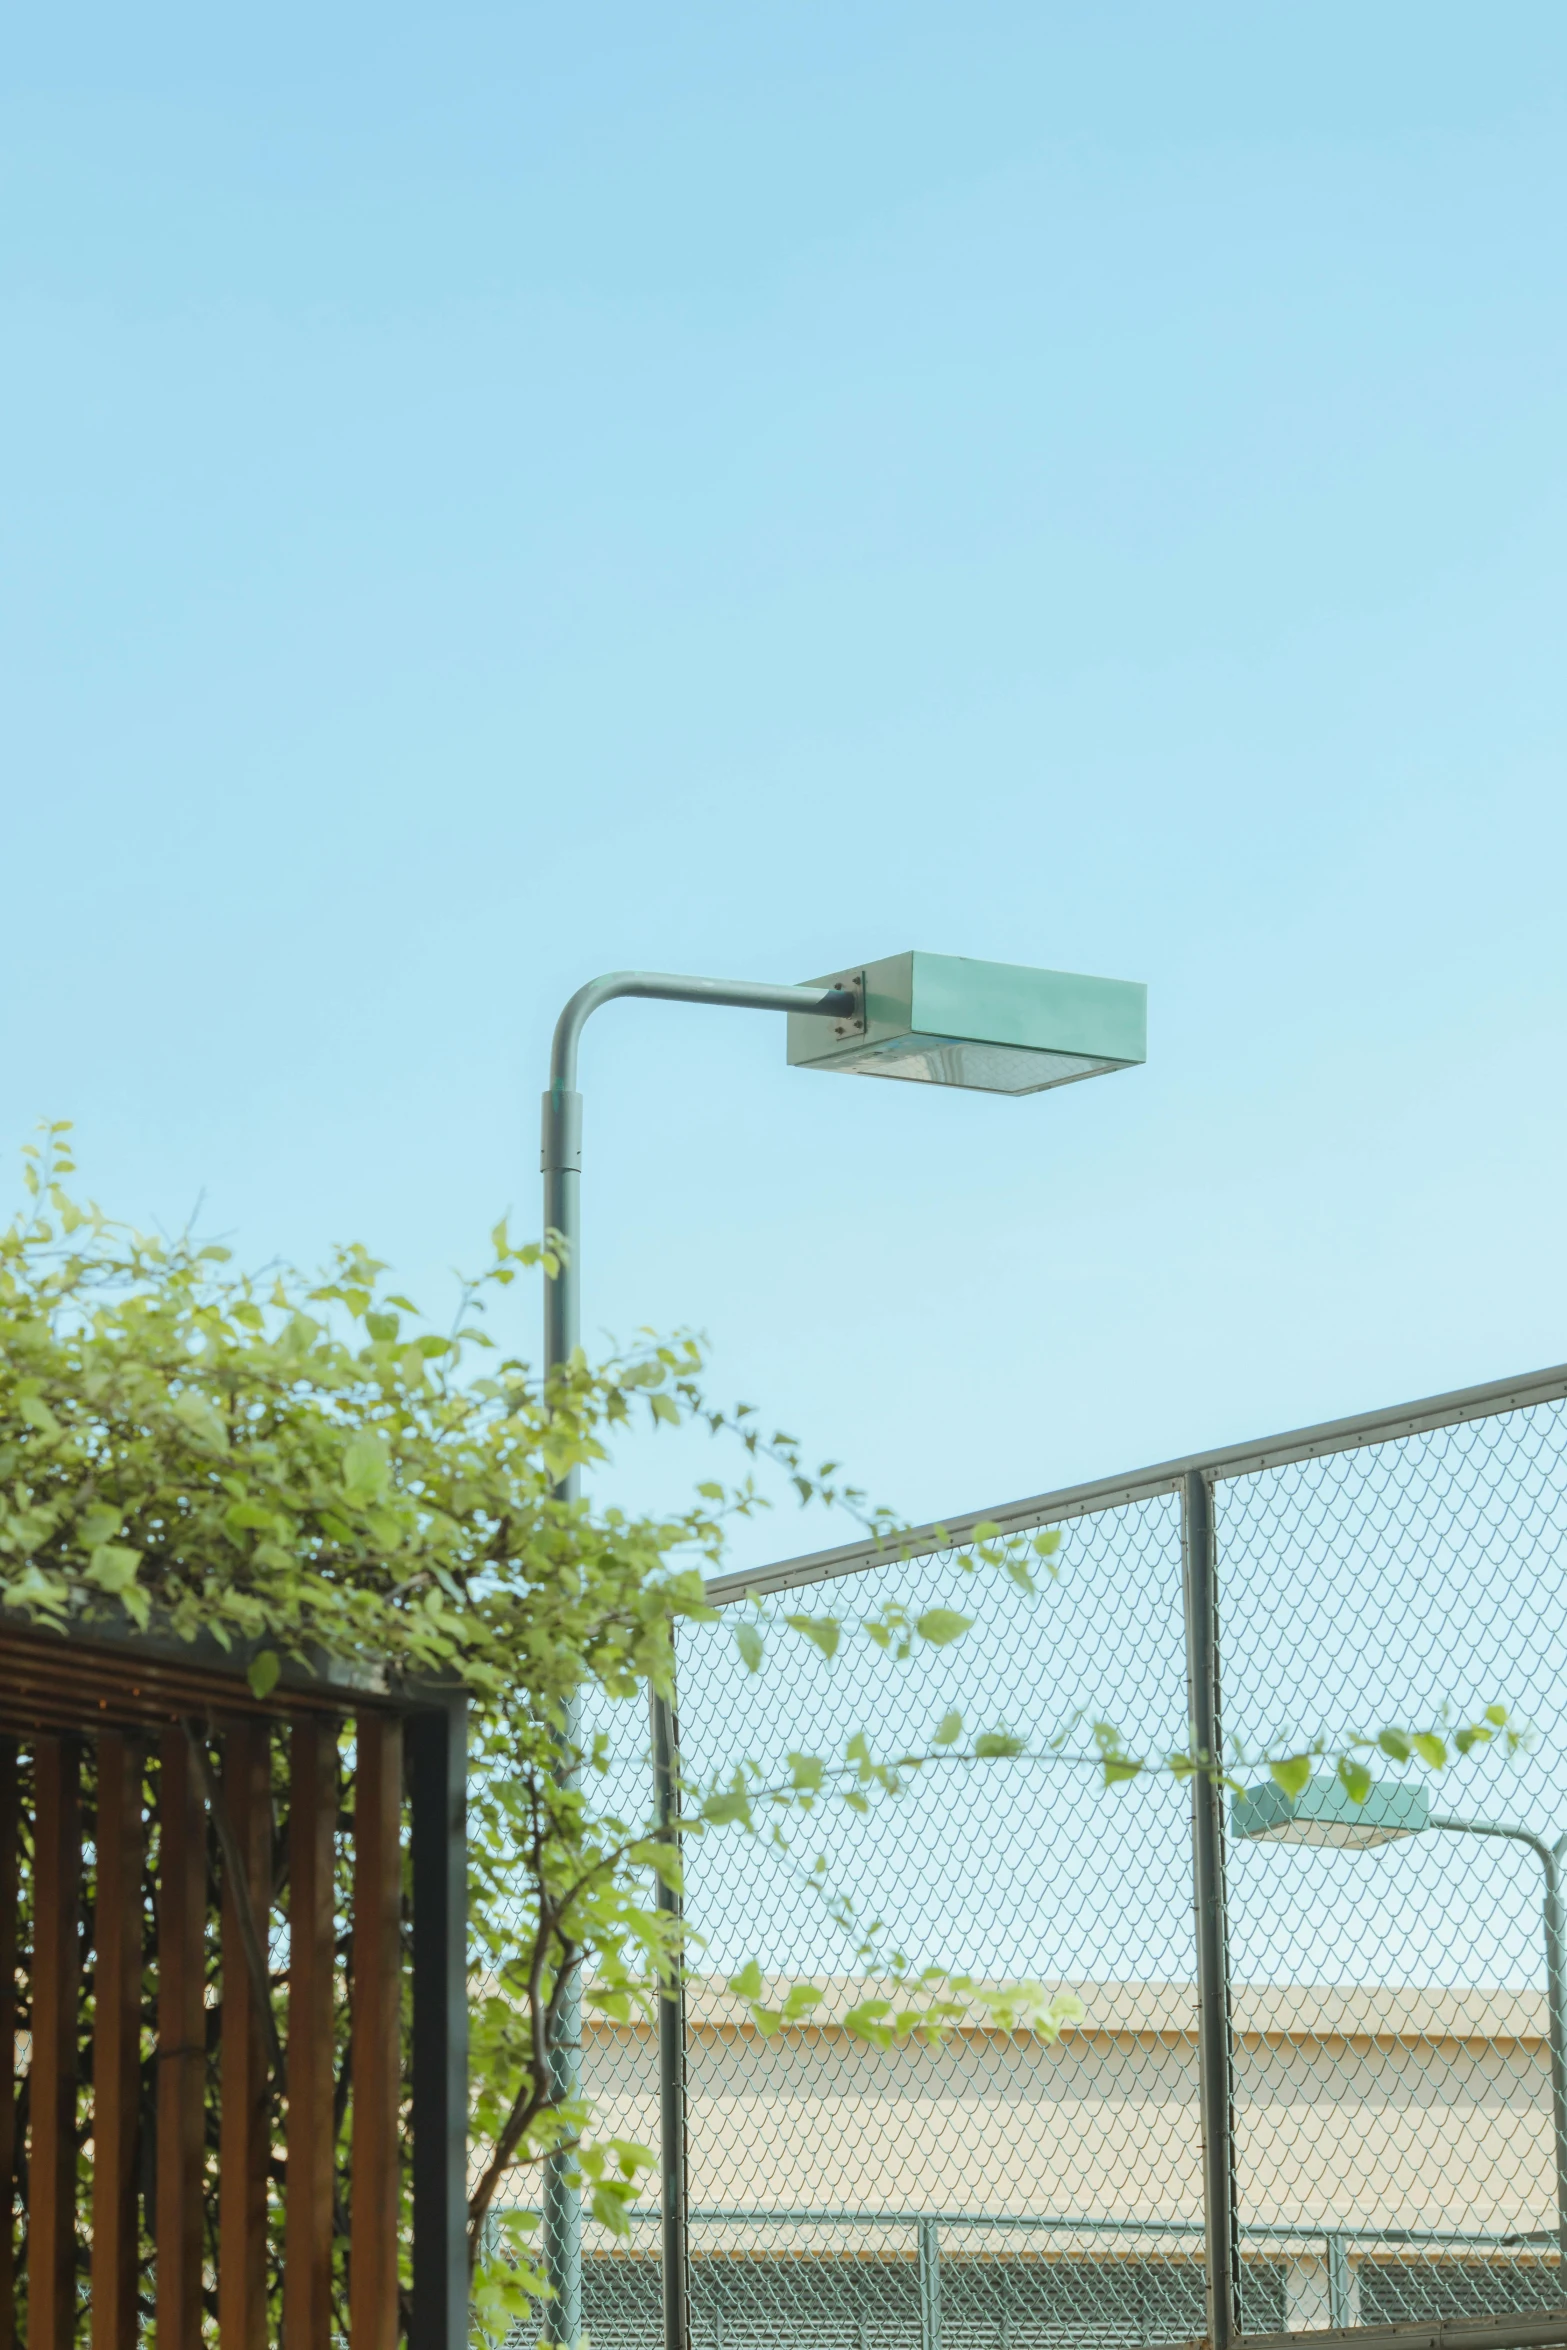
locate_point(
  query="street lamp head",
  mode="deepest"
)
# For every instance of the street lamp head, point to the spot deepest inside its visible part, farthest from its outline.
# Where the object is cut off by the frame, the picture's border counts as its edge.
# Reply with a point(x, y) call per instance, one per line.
point(991, 1027)
point(1325, 1813)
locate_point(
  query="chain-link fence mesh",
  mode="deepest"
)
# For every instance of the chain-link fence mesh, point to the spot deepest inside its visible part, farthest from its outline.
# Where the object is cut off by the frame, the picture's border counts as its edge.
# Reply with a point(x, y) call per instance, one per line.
point(988, 2189)
point(1395, 2155)
point(991, 2187)
point(1391, 2023)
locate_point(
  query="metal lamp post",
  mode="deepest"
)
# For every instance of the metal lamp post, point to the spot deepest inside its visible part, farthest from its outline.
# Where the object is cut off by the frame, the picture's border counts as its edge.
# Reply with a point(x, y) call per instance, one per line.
point(935, 1019)
point(1324, 1813)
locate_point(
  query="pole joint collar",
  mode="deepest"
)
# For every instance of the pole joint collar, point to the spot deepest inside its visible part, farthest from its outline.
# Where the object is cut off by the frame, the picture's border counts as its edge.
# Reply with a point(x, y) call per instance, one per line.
point(560, 1150)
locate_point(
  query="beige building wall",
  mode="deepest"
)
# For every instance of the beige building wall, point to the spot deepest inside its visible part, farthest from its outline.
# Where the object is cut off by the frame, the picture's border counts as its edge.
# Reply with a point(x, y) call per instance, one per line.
point(1357, 2110)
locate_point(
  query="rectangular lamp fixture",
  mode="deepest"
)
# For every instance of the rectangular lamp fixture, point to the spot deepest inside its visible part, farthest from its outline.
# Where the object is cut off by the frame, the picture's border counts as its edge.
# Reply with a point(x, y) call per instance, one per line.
point(1324, 1812)
point(993, 1027)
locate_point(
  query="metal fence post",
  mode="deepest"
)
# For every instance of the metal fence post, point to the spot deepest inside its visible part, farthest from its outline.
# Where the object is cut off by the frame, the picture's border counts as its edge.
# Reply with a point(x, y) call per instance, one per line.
point(437, 1747)
point(930, 2285)
point(671, 2050)
point(1214, 2053)
point(1556, 1999)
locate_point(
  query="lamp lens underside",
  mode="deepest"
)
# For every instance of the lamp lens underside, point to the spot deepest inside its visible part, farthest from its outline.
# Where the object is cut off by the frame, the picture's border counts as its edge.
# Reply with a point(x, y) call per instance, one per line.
point(983, 1068)
point(1346, 1833)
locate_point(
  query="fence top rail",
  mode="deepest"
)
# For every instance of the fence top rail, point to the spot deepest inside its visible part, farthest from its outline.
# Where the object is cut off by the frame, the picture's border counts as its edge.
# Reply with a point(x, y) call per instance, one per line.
point(1109, 1493)
point(1307, 2231)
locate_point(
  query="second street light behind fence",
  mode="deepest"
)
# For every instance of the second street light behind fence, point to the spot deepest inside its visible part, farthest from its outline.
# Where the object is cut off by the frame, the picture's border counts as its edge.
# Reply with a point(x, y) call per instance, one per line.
point(1324, 1813)
point(944, 1020)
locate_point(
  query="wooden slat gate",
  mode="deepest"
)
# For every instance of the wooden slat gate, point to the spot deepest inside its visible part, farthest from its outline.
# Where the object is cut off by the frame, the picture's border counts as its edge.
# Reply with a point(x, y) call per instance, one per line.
point(236, 2006)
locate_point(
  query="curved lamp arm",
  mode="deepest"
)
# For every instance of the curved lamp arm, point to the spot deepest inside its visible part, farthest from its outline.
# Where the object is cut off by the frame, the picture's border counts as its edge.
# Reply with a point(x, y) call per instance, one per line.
point(560, 1155)
point(744, 995)
point(1549, 1857)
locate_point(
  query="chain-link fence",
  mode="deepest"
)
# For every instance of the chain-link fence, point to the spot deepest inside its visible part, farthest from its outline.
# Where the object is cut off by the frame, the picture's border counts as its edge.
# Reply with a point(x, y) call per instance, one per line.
point(1311, 2085)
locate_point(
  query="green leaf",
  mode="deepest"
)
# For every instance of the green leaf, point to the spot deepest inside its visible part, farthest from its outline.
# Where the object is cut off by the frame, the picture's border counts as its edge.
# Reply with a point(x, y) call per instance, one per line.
point(1292, 1774)
point(999, 1745)
point(821, 1631)
point(196, 1413)
point(748, 1639)
point(724, 1809)
point(1354, 1778)
point(948, 1730)
point(807, 1769)
point(941, 1625)
point(112, 1567)
point(1430, 1748)
point(1395, 1744)
point(262, 1673)
point(747, 1984)
point(366, 1470)
point(245, 1517)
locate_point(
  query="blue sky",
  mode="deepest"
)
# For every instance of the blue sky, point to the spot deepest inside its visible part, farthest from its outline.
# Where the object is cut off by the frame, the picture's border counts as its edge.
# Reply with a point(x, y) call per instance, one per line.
point(499, 494)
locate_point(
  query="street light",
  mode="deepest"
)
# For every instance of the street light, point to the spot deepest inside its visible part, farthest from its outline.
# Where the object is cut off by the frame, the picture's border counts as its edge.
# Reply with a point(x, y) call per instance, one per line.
point(1325, 1813)
point(943, 1019)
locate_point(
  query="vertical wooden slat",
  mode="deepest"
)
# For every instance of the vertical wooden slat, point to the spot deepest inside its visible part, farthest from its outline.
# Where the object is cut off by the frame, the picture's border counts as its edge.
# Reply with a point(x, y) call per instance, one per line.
point(57, 1872)
point(182, 2054)
point(10, 1880)
point(117, 1970)
point(377, 2050)
point(244, 2133)
point(307, 2220)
